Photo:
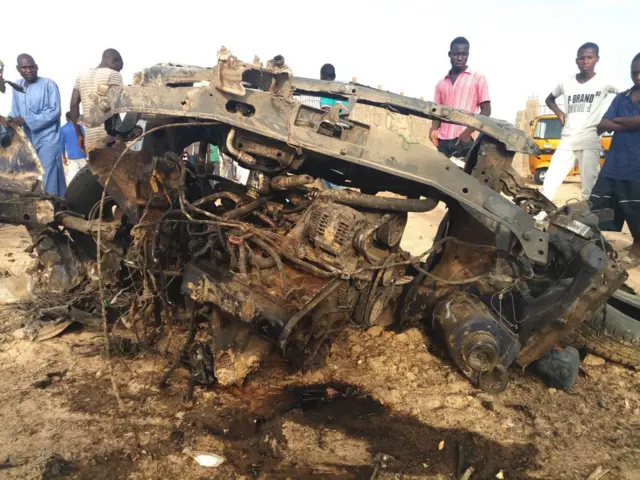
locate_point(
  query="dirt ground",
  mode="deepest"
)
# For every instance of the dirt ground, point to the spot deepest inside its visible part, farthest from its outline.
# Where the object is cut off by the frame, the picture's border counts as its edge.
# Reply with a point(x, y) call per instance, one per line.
point(379, 393)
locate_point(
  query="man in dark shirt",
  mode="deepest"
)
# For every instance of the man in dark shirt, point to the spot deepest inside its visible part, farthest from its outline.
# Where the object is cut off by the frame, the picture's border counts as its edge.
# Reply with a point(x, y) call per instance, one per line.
point(72, 157)
point(618, 185)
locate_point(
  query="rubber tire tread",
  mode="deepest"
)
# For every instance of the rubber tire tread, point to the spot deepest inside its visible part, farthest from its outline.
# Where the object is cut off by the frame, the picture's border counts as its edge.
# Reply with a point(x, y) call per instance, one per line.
point(617, 338)
point(83, 193)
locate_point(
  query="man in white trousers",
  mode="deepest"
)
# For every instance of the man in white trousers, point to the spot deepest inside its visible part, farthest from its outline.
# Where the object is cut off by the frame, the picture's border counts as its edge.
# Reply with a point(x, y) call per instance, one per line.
point(72, 157)
point(585, 102)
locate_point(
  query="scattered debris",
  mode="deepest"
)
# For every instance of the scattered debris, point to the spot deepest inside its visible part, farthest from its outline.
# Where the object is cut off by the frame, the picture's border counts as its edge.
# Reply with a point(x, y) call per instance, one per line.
point(37, 330)
point(558, 368)
point(205, 459)
point(441, 445)
point(467, 474)
point(15, 289)
point(594, 360)
point(48, 380)
point(500, 475)
point(380, 461)
point(9, 463)
point(598, 473)
point(57, 467)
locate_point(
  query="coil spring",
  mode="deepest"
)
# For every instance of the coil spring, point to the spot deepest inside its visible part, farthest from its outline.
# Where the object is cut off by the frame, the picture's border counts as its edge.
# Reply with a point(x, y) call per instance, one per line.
point(196, 244)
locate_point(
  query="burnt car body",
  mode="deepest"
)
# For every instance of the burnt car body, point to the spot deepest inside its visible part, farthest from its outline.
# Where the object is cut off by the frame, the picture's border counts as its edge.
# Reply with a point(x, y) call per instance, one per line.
point(297, 264)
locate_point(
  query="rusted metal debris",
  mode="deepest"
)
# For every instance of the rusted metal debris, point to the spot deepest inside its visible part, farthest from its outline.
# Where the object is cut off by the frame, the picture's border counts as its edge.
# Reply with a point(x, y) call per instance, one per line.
point(277, 263)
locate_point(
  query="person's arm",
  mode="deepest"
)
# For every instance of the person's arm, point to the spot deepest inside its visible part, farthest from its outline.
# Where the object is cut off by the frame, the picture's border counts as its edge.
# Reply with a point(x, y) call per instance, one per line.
point(63, 149)
point(550, 101)
point(15, 111)
point(608, 122)
point(49, 115)
point(435, 124)
point(630, 123)
point(74, 113)
point(607, 125)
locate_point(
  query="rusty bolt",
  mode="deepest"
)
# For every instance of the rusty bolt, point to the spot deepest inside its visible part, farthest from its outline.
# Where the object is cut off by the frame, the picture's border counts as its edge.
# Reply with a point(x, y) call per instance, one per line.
point(343, 151)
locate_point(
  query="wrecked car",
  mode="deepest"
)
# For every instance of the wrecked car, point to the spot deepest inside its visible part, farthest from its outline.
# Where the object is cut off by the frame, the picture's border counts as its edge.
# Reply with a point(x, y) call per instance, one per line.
point(287, 265)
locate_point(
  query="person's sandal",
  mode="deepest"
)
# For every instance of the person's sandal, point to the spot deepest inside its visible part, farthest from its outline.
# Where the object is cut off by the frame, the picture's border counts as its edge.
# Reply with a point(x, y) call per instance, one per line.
point(630, 262)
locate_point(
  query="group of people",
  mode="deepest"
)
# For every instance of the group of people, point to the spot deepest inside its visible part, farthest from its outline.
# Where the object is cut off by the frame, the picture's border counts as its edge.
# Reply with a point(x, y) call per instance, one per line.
point(585, 117)
point(617, 185)
point(36, 107)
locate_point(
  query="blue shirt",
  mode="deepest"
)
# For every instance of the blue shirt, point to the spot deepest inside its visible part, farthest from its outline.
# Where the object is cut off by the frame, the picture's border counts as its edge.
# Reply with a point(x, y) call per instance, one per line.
point(330, 102)
point(622, 161)
point(69, 142)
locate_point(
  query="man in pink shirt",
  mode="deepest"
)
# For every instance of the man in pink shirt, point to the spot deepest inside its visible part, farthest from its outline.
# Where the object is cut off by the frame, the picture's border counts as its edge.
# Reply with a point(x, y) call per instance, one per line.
point(464, 90)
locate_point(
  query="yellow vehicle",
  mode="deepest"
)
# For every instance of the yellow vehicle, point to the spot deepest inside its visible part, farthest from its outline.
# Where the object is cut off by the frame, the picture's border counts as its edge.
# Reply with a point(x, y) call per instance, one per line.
point(545, 131)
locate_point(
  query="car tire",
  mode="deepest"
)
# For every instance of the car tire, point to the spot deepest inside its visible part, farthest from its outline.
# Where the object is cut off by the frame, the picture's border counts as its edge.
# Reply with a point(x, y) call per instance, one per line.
point(611, 334)
point(539, 175)
point(82, 194)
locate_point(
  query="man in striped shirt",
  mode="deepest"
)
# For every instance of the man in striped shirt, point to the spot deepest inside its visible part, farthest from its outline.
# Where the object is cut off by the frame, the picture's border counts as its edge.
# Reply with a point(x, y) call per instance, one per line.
point(461, 89)
point(87, 83)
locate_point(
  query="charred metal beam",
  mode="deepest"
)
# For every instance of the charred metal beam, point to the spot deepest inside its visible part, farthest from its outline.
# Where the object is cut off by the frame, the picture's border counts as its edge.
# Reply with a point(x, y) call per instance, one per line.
point(515, 140)
point(31, 211)
point(91, 227)
point(282, 119)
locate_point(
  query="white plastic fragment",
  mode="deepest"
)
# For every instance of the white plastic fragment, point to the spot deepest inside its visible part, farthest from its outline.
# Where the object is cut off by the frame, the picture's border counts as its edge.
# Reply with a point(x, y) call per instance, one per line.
point(209, 459)
point(205, 459)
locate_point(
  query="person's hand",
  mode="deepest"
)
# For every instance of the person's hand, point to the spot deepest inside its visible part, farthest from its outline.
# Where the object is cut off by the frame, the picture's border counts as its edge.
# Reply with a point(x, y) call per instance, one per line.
point(561, 117)
point(465, 137)
point(81, 144)
point(65, 161)
point(433, 136)
point(18, 120)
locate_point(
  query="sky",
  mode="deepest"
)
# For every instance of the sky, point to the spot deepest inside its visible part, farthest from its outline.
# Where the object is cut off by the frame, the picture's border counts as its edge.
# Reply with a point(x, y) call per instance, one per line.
point(524, 48)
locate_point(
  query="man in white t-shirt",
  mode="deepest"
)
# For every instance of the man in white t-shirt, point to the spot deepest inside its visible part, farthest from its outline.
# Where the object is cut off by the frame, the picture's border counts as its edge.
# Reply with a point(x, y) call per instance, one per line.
point(585, 103)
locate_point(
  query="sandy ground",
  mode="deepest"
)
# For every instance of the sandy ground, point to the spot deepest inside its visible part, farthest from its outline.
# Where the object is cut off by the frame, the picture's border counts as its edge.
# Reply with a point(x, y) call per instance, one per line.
point(379, 393)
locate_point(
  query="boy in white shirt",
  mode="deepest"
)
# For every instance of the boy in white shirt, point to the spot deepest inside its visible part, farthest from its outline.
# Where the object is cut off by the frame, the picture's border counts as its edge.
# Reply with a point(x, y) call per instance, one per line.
point(585, 103)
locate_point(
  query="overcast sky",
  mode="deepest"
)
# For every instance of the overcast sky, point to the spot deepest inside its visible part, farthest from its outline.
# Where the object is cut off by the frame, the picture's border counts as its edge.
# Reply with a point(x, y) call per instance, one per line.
point(523, 47)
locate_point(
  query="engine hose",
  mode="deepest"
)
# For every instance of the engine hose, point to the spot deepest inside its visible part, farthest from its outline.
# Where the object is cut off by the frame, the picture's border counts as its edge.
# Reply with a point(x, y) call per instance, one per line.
point(245, 209)
point(262, 216)
point(261, 262)
point(276, 259)
point(288, 182)
point(356, 199)
point(233, 260)
point(243, 158)
point(205, 233)
point(324, 292)
point(215, 196)
point(242, 259)
point(221, 237)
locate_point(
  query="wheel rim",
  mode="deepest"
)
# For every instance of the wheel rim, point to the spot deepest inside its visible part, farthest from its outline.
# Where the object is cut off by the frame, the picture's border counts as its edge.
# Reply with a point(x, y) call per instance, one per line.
point(543, 173)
